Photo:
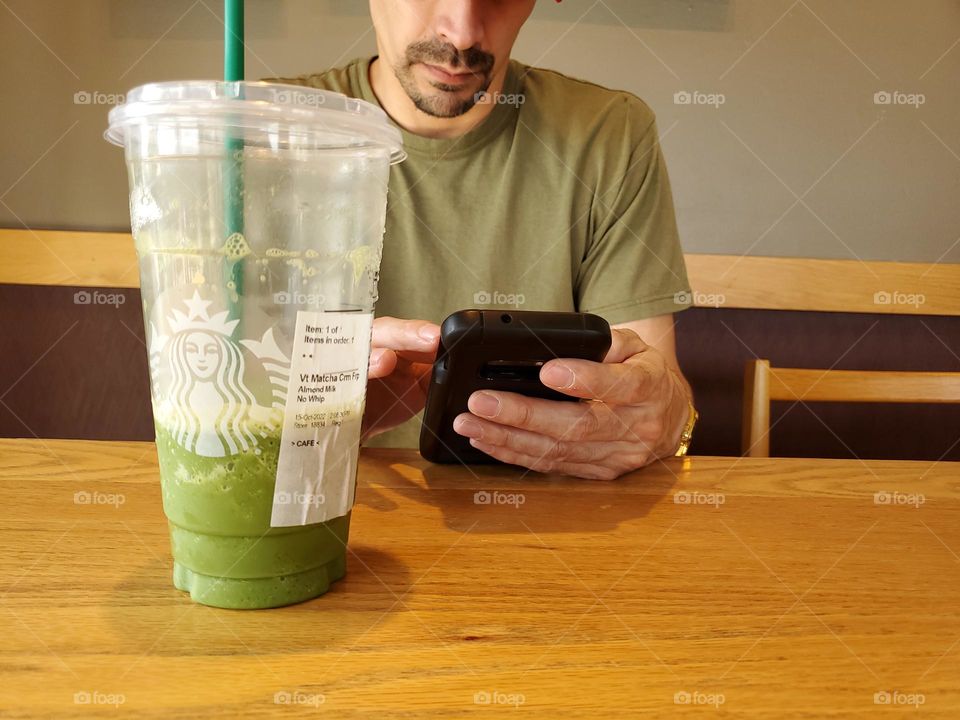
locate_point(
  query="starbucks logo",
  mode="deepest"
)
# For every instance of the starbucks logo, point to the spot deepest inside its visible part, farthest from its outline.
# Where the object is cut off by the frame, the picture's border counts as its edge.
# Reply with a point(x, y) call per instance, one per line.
point(201, 379)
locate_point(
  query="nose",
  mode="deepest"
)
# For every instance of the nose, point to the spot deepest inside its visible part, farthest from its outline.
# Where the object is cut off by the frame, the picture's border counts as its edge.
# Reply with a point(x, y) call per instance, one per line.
point(460, 23)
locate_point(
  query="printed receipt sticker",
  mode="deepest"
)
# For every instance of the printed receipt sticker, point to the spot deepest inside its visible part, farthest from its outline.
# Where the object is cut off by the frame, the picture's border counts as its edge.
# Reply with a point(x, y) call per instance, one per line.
point(322, 418)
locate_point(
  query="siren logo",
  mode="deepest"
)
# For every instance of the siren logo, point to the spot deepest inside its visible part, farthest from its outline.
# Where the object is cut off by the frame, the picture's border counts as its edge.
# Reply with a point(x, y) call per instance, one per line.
point(200, 376)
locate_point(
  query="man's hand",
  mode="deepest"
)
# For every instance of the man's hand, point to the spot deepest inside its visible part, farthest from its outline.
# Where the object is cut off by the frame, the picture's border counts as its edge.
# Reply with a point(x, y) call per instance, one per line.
point(398, 376)
point(635, 412)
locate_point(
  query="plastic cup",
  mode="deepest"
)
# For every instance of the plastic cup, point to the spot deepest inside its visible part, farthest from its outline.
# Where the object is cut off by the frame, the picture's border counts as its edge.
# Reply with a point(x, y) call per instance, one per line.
point(258, 213)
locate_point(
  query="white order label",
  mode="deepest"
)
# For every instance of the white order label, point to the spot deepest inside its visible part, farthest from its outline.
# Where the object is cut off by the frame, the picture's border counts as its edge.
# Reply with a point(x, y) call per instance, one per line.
point(317, 466)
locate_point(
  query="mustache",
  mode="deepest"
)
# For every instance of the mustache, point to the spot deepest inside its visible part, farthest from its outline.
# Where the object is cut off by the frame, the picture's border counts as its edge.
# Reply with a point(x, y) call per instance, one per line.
point(436, 52)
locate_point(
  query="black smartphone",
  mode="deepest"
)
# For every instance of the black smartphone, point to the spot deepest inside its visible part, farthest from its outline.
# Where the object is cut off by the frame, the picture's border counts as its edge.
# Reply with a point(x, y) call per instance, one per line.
point(499, 350)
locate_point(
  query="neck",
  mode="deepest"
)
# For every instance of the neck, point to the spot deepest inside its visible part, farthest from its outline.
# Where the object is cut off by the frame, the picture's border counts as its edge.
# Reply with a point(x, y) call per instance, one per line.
point(398, 105)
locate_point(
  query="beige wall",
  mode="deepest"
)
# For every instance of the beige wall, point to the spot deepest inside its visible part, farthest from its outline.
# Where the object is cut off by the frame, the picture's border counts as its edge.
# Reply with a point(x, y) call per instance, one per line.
point(798, 160)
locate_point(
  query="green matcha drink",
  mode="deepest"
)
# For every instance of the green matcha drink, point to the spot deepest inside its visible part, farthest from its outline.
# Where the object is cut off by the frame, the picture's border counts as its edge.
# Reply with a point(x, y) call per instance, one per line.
point(258, 211)
point(225, 553)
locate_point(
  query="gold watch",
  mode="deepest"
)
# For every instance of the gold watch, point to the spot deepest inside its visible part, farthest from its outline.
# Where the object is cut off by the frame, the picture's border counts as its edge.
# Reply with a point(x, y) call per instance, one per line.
point(686, 436)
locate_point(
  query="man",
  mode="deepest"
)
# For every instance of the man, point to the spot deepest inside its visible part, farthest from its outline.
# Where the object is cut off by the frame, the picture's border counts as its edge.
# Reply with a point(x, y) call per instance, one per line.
point(521, 186)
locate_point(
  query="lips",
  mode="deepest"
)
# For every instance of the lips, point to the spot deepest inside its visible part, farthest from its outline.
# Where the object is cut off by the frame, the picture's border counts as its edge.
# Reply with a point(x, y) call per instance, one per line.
point(446, 76)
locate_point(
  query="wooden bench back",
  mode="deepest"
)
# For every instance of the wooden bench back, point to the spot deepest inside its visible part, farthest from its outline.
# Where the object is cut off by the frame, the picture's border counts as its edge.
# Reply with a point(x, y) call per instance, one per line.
point(103, 259)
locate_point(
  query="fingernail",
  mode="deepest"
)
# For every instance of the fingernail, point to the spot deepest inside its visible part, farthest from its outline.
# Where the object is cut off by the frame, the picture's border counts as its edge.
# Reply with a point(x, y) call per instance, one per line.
point(558, 376)
point(428, 333)
point(468, 428)
point(485, 404)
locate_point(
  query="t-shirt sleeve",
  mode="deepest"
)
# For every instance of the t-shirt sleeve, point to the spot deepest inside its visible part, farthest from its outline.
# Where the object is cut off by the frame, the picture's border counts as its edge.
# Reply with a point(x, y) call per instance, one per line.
point(633, 267)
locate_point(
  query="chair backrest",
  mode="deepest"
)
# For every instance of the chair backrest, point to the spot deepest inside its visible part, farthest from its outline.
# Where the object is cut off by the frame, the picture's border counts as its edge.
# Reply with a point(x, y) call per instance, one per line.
point(66, 257)
point(763, 384)
point(108, 259)
point(847, 286)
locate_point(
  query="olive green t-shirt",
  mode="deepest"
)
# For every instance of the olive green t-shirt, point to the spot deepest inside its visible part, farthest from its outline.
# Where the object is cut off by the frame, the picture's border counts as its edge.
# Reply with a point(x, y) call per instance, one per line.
point(558, 200)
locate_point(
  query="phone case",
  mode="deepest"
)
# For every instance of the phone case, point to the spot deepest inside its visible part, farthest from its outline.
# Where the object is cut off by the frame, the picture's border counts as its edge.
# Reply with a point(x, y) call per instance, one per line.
point(499, 350)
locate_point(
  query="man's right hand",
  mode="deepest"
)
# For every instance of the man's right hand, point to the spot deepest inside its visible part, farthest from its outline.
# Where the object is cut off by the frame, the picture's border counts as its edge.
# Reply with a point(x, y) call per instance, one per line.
point(401, 359)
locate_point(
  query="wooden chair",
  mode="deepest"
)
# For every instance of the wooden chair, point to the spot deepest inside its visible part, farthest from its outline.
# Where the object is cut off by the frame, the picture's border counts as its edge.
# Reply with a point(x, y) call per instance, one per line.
point(763, 383)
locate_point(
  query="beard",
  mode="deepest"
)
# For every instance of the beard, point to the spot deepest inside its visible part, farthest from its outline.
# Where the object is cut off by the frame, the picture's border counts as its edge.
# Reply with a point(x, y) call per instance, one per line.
point(444, 101)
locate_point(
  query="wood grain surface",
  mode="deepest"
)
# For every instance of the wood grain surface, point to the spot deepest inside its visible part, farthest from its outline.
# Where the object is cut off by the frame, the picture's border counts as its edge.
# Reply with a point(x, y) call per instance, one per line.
point(67, 257)
point(741, 587)
point(108, 259)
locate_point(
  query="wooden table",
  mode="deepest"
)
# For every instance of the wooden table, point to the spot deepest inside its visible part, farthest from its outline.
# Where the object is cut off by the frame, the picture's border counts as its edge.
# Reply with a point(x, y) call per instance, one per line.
point(780, 587)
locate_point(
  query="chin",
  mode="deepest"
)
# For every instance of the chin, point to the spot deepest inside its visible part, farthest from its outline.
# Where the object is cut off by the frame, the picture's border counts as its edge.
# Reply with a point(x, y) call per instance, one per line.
point(445, 106)
point(436, 99)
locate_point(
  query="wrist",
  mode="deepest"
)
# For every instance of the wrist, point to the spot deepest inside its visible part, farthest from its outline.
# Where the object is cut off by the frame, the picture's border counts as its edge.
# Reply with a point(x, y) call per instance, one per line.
point(682, 415)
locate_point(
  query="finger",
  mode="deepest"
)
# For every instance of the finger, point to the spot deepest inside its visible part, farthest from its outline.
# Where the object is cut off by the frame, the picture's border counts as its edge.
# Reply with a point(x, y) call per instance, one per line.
point(581, 421)
point(411, 356)
point(538, 445)
point(589, 472)
point(412, 335)
point(382, 363)
point(623, 343)
point(628, 381)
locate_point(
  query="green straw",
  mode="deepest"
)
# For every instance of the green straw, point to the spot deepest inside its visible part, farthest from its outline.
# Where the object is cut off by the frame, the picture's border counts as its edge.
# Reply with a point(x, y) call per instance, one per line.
point(233, 178)
point(233, 40)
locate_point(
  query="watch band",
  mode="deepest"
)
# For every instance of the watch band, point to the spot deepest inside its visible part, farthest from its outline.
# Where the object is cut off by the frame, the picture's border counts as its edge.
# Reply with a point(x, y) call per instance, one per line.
point(686, 436)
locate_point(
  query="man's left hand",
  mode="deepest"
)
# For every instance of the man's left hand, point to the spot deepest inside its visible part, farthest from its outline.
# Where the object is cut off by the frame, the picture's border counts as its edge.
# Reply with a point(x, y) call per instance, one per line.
point(635, 408)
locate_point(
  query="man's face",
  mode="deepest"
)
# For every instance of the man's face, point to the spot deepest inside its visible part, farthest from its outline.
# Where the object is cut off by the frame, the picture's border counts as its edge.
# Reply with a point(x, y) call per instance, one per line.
point(446, 52)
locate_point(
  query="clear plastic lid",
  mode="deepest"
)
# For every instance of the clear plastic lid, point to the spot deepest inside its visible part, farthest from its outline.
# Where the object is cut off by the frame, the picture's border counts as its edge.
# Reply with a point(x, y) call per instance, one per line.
point(341, 120)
